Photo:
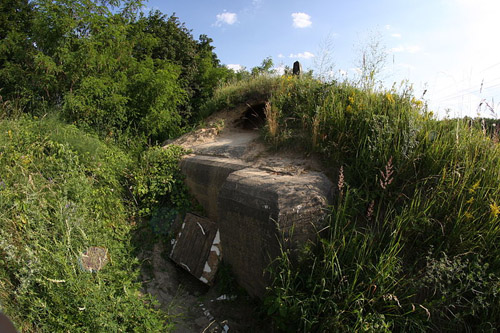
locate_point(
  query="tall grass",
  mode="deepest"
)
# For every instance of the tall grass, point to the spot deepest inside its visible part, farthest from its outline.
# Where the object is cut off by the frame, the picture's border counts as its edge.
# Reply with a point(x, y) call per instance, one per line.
point(412, 241)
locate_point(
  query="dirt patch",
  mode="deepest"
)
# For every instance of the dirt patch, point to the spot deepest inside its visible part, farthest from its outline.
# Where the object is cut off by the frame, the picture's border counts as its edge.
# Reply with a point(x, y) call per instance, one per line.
point(193, 306)
point(237, 133)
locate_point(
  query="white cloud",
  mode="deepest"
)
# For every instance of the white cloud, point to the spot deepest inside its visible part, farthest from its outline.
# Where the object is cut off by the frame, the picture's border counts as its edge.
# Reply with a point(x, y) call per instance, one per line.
point(355, 70)
point(388, 27)
point(301, 20)
point(281, 55)
point(280, 70)
point(235, 67)
point(302, 55)
point(406, 48)
point(226, 18)
point(396, 35)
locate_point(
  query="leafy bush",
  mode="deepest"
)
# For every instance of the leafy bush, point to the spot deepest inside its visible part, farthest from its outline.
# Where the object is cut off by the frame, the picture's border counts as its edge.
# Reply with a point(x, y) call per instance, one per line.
point(109, 69)
point(157, 181)
point(61, 192)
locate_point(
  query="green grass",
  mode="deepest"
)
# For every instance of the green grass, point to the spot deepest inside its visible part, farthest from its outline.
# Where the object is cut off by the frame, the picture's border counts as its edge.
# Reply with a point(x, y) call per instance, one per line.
point(240, 91)
point(411, 242)
point(62, 191)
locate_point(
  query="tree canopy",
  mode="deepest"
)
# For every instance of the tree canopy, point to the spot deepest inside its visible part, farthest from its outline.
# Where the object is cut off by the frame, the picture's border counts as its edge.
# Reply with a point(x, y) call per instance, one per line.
point(105, 65)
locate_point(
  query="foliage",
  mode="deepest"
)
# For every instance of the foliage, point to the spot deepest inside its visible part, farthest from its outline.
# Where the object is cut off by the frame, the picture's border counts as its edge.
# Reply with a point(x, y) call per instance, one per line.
point(61, 191)
point(410, 245)
point(109, 70)
point(166, 38)
point(157, 181)
point(264, 68)
point(16, 52)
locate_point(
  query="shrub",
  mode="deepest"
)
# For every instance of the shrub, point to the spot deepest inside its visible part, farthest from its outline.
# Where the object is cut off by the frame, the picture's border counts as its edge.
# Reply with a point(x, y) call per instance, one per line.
point(61, 192)
point(157, 181)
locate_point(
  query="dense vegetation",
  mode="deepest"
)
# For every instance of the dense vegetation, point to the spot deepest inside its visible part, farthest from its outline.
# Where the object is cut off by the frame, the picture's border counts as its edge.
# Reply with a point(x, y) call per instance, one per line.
point(411, 242)
point(105, 67)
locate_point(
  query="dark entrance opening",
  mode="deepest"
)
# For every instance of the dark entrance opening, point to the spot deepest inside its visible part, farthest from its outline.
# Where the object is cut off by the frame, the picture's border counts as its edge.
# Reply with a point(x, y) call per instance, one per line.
point(254, 117)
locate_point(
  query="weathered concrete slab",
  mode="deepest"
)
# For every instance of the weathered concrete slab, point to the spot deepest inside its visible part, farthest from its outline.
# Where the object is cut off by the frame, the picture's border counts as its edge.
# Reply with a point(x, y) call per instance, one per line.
point(197, 247)
point(257, 210)
point(205, 176)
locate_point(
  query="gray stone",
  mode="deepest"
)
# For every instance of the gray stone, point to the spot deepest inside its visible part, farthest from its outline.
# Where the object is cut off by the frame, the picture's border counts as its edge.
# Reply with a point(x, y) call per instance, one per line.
point(259, 210)
point(205, 176)
point(256, 212)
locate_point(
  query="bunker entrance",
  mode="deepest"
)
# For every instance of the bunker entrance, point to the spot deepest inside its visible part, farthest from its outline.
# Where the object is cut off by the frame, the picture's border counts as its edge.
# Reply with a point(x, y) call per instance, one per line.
point(253, 118)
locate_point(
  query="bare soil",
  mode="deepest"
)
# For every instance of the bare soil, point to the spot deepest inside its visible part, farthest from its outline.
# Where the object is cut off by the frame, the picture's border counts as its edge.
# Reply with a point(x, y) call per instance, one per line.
point(193, 306)
point(230, 133)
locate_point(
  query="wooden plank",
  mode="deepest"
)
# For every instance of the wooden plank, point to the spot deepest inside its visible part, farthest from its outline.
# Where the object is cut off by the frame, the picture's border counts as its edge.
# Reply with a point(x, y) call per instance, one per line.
point(197, 247)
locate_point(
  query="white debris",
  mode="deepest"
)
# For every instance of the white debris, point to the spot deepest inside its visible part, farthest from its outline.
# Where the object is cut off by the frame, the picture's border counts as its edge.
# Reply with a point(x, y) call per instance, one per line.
point(215, 249)
point(217, 238)
point(226, 297)
point(202, 230)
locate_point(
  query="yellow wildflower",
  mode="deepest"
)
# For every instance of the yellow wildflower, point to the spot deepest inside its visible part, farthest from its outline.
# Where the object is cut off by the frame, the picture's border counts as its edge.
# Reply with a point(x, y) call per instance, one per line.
point(390, 98)
point(418, 103)
point(474, 187)
point(25, 160)
point(468, 215)
point(349, 108)
point(470, 201)
point(10, 134)
point(495, 210)
point(351, 100)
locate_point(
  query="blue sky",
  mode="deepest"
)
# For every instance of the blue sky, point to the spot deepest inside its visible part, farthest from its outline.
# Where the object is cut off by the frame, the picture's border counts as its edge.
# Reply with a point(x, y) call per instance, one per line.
point(450, 48)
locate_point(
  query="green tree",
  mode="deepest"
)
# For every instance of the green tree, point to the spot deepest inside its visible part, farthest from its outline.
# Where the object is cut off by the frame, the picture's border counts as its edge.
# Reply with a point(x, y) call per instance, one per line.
point(264, 68)
point(167, 38)
point(16, 48)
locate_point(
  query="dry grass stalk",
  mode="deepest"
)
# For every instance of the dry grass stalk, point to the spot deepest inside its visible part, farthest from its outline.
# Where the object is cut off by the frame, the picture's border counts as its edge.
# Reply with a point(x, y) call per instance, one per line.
point(272, 120)
point(387, 178)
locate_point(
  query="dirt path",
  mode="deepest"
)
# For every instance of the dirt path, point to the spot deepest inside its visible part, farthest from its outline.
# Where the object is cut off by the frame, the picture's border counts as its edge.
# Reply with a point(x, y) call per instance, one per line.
point(230, 134)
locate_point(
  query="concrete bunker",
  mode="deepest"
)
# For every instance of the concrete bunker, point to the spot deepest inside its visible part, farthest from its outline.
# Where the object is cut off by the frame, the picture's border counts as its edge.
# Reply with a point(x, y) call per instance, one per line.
point(254, 211)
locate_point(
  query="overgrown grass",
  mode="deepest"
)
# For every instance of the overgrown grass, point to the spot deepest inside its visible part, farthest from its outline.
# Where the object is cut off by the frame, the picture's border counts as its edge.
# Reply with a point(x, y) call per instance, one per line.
point(412, 240)
point(61, 192)
point(230, 94)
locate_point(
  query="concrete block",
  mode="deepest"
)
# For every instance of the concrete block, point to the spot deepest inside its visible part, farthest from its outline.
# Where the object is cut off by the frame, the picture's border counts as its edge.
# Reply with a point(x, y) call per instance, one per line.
point(259, 210)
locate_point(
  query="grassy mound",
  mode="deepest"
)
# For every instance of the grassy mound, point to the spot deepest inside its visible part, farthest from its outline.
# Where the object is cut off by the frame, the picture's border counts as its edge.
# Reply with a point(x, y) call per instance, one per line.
point(411, 243)
point(61, 192)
